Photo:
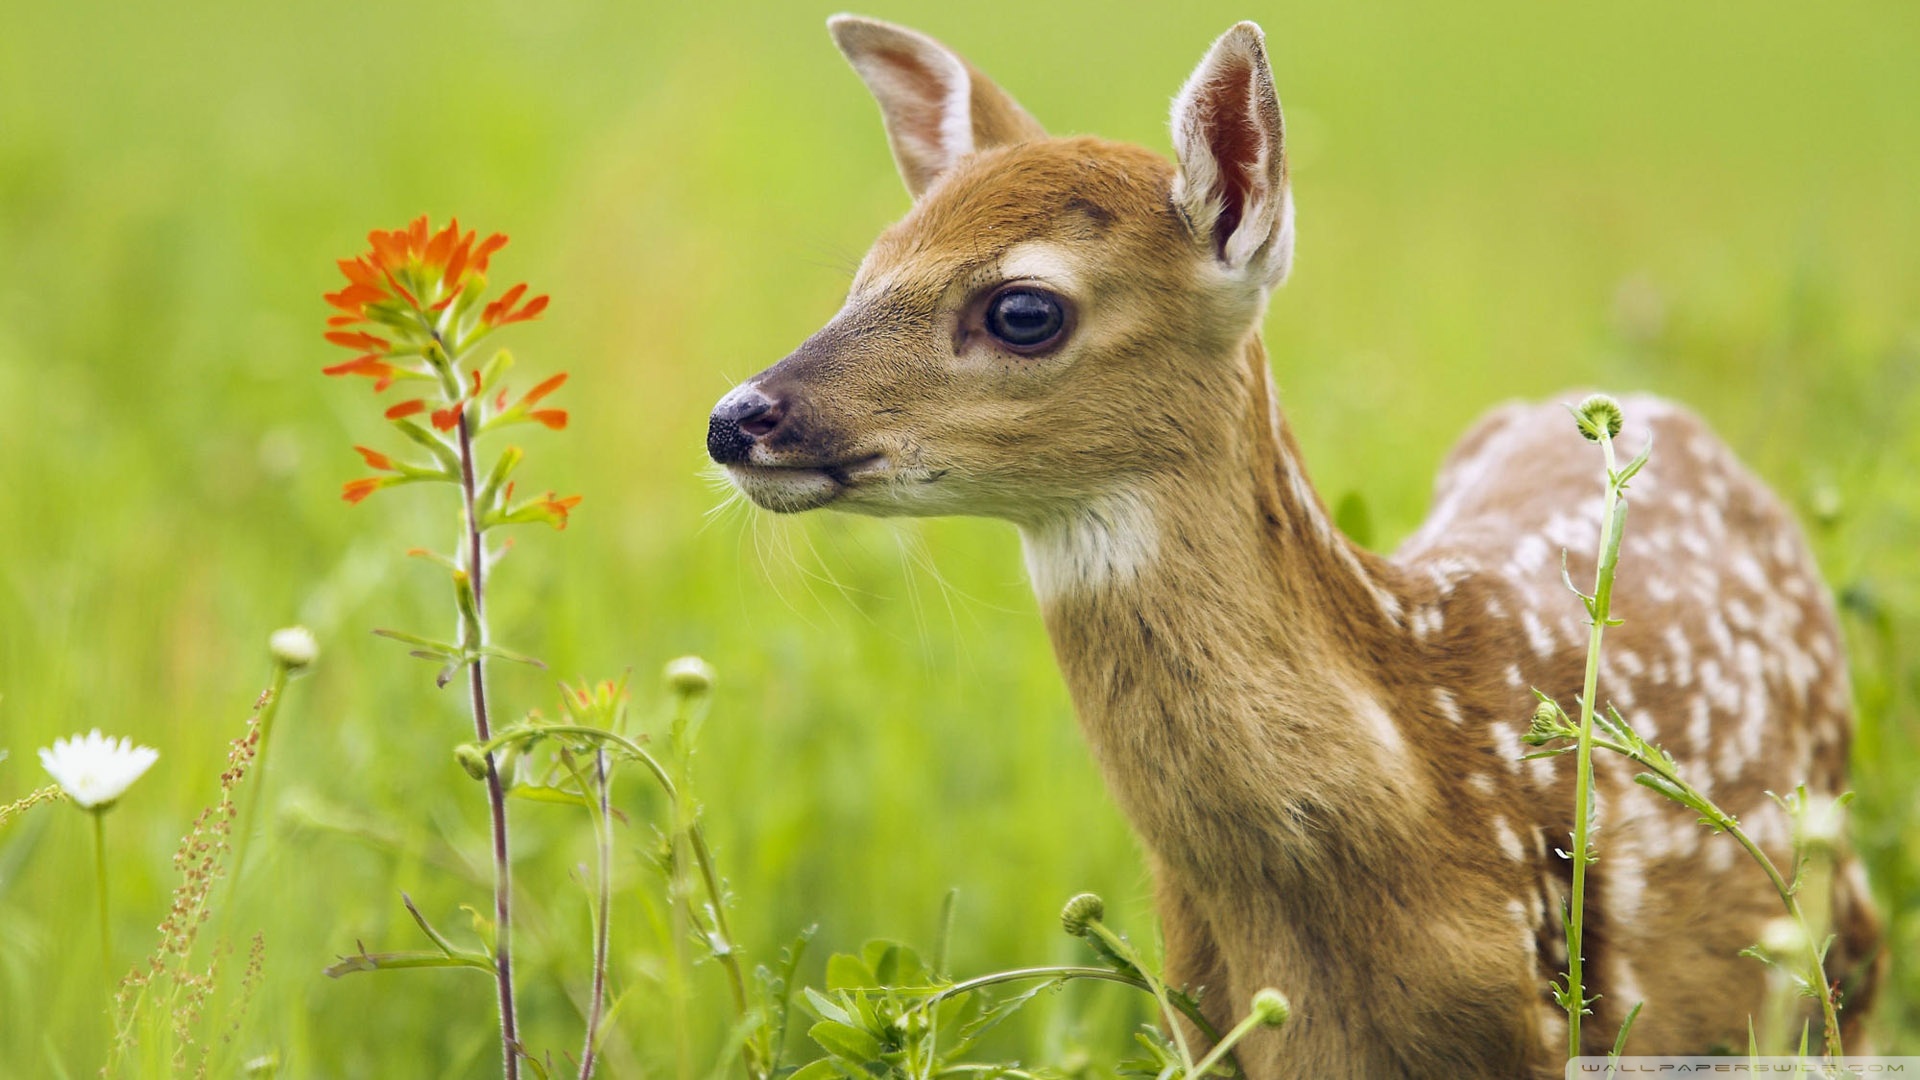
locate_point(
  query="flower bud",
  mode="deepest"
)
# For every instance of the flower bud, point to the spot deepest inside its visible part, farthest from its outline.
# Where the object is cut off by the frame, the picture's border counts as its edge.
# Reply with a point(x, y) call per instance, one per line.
point(1822, 823)
point(293, 647)
point(689, 675)
point(1080, 911)
point(1549, 723)
point(471, 758)
point(1782, 940)
point(1270, 1007)
point(1599, 412)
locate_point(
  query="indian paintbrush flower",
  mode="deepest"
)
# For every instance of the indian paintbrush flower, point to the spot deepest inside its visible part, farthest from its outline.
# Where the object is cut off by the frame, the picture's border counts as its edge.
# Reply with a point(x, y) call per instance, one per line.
point(412, 311)
point(415, 310)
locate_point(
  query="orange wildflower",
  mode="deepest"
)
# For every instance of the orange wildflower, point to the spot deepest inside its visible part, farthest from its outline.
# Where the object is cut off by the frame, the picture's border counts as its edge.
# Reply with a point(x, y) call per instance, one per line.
point(355, 490)
point(369, 365)
point(406, 409)
point(559, 508)
point(375, 459)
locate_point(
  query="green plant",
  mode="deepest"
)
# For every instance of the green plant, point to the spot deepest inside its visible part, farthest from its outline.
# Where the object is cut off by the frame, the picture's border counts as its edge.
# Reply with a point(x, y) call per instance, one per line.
point(1816, 822)
point(161, 1007)
point(424, 292)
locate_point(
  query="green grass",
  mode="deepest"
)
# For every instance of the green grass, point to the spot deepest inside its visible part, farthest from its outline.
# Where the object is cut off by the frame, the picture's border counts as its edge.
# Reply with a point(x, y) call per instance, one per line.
point(1484, 191)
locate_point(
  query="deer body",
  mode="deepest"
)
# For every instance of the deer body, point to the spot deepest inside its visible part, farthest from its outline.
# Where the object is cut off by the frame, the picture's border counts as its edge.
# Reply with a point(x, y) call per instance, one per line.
point(1320, 747)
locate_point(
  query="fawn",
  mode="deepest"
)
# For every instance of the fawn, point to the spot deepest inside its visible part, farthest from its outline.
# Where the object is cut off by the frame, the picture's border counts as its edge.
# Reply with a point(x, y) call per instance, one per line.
point(1320, 747)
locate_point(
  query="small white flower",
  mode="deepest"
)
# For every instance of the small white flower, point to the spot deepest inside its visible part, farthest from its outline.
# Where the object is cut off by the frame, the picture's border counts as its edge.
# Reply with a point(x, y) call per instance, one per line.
point(293, 646)
point(94, 770)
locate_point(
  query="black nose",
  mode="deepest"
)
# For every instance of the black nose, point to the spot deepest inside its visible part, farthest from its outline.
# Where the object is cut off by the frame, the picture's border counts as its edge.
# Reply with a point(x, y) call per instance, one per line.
point(742, 418)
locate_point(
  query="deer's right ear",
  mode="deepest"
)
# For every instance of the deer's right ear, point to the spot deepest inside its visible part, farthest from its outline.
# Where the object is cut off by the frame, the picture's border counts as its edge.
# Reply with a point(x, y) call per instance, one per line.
point(937, 108)
point(1228, 135)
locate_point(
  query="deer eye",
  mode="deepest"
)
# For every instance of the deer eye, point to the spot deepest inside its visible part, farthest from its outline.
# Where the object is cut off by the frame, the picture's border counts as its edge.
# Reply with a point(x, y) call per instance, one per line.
point(1026, 319)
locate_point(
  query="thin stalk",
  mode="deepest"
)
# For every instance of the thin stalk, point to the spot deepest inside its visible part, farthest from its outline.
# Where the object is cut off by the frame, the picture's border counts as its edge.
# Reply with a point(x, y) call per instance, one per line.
point(1159, 990)
point(965, 986)
point(1789, 896)
point(602, 913)
point(1223, 1047)
point(496, 792)
point(99, 815)
point(1583, 774)
point(695, 838)
point(268, 708)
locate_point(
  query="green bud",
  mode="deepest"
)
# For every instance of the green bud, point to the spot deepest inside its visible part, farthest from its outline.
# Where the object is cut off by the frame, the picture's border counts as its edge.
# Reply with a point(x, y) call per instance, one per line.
point(1271, 1008)
point(472, 759)
point(1549, 723)
point(1596, 414)
point(1781, 939)
point(293, 647)
point(689, 676)
point(1821, 823)
point(1081, 911)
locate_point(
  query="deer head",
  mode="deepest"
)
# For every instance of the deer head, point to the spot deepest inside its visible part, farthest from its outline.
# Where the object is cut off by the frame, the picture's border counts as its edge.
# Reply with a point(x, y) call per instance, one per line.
point(1054, 320)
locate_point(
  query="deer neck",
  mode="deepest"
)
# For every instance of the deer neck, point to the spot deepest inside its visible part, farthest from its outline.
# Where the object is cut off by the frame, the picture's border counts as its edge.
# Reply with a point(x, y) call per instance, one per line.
point(1222, 644)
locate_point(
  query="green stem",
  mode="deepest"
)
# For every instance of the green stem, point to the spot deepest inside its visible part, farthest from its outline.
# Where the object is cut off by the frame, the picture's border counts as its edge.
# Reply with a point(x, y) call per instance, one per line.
point(1727, 823)
point(1067, 972)
point(1583, 775)
point(695, 838)
point(1223, 1047)
point(269, 707)
point(603, 854)
point(1120, 948)
point(475, 634)
point(106, 923)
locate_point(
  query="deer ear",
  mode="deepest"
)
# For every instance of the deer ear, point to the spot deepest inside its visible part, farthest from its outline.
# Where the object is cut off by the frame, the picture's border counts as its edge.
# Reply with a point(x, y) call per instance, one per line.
point(936, 107)
point(1228, 135)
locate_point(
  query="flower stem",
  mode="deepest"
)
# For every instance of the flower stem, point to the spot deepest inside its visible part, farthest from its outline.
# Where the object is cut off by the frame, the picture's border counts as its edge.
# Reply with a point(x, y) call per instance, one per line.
point(1583, 774)
point(496, 792)
point(106, 923)
point(603, 835)
point(269, 705)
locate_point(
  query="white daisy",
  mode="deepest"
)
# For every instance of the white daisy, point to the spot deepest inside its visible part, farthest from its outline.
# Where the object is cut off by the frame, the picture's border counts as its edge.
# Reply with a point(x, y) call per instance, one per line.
point(94, 770)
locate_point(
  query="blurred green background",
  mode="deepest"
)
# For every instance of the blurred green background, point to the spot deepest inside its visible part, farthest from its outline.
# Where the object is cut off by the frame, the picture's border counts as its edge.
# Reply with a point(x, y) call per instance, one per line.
point(1712, 201)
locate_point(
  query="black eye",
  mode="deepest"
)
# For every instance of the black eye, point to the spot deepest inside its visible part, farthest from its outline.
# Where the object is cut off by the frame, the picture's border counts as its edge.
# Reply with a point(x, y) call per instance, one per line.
point(1025, 318)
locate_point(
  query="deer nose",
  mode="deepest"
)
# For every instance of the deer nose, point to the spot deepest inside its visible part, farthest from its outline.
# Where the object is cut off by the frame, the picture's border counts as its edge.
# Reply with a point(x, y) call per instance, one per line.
point(742, 418)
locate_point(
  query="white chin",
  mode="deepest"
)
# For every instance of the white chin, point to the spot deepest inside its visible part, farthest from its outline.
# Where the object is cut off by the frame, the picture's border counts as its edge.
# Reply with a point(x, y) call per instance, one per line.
point(785, 491)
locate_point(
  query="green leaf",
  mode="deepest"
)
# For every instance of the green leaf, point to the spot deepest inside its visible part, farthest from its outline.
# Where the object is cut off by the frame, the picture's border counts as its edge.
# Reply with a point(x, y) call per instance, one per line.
point(1626, 1026)
point(544, 793)
point(845, 1041)
point(819, 1070)
point(825, 1007)
point(396, 961)
point(1633, 467)
point(444, 649)
point(513, 657)
point(848, 972)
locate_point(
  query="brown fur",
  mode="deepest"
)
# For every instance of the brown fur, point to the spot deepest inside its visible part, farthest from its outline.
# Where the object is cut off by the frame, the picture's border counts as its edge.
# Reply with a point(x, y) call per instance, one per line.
point(1320, 746)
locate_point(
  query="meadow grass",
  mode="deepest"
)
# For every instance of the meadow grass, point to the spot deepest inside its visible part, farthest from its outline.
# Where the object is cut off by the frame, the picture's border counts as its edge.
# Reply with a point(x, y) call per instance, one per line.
point(1496, 200)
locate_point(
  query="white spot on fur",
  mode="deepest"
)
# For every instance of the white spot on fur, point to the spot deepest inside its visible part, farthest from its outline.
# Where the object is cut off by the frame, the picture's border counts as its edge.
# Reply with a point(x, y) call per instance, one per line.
point(1099, 546)
point(1508, 840)
point(1040, 262)
point(1538, 635)
point(1448, 705)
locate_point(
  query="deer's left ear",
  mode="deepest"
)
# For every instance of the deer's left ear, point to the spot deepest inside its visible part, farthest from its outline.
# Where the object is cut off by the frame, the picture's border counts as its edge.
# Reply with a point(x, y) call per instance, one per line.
point(937, 108)
point(1231, 144)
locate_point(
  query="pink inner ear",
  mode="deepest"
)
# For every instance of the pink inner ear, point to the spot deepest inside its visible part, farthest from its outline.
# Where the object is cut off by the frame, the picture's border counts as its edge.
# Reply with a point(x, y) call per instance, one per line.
point(919, 116)
point(1234, 141)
